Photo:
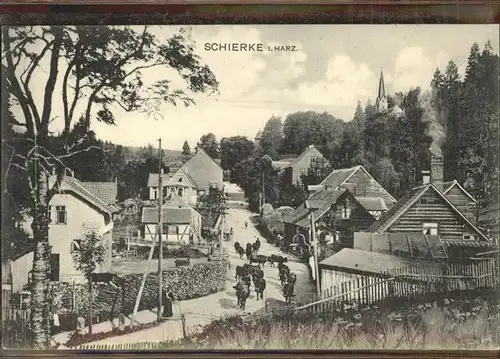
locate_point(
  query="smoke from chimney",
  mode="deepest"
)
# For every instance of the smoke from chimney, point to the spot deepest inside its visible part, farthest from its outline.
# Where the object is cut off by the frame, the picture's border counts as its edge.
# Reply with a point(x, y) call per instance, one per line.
point(432, 117)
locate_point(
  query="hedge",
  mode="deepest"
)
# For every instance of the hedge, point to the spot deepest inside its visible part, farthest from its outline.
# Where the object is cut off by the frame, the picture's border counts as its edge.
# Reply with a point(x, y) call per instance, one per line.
point(185, 283)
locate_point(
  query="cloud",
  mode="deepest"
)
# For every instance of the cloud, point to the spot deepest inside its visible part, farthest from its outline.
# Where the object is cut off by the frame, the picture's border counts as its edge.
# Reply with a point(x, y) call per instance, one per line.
point(345, 83)
point(414, 67)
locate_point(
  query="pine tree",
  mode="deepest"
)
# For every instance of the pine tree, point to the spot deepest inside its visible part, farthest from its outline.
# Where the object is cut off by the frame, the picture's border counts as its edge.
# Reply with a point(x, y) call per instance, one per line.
point(472, 63)
point(186, 150)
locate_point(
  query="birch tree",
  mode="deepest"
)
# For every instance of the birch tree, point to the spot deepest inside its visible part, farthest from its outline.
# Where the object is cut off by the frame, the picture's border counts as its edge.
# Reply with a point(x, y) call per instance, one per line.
point(92, 71)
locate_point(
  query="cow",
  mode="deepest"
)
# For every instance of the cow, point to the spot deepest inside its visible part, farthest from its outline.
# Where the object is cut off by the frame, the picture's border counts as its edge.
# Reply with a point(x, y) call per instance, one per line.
point(256, 246)
point(257, 272)
point(284, 272)
point(241, 271)
point(239, 249)
point(236, 246)
point(249, 251)
point(277, 259)
point(288, 292)
point(242, 293)
point(247, 280)
point(259, 259)
point(260, 286)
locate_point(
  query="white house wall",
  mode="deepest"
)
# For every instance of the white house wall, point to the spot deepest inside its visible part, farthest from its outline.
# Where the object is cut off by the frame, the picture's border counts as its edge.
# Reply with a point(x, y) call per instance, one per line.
point(80, 216)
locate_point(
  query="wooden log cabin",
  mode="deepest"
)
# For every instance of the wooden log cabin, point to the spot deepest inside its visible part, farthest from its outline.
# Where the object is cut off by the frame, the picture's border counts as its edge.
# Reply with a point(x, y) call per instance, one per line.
point(375, 198)
point(338, 213)
point(425, 209)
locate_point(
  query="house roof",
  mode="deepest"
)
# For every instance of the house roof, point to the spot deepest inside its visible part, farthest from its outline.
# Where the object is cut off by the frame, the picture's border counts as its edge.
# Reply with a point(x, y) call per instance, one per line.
point(363, 261)
point(413, 244)
point(106, 191)
point(310, 148)
point(338, 177)
point(281, 164)
point(154, 178)
point(447, 186)
point(169, 215)
point(80, 190)
point(321, 200)
point(391, 216)
point(180, 172)
point(202, 170)
point(372, 203)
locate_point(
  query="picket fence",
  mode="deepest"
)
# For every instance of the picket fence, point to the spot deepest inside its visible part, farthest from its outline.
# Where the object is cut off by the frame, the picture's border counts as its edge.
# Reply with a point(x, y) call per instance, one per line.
point(416, 279)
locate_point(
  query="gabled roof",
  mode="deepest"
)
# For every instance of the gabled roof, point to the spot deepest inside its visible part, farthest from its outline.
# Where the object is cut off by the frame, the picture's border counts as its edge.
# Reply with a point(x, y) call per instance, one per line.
point(180, 172)
point(321, 200)
point(175, 202)
point(76, 186)
point(169, 215)
point(310, 148)
point(281, 164)
point(106, 191)
point(340, 176)
point(200, 152)
point(372, 203)
point(447, 186)
point(154, 178)
point(391, 216)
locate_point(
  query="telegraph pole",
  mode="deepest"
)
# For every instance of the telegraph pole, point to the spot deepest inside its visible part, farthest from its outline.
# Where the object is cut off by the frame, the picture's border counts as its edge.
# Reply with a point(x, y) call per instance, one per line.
point(315, 252)
point(160, 230)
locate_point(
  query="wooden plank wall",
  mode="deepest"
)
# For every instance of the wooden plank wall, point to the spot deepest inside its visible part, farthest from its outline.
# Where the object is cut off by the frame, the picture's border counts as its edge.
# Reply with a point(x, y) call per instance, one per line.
point(416, 279)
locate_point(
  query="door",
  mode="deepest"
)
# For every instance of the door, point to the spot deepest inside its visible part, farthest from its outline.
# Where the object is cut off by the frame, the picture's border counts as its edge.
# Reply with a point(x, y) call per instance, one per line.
point(54, 267)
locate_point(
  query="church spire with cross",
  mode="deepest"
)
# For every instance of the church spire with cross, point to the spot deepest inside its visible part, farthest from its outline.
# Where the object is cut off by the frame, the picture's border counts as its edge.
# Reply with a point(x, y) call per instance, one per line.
point(381, 103)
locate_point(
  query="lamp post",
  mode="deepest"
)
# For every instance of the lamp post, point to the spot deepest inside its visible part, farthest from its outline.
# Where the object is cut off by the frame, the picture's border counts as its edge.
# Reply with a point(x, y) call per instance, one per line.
point(314, 243)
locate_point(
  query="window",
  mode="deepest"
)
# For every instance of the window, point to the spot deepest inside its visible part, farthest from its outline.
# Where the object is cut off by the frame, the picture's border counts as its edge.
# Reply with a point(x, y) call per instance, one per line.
point(469, 237)
point(75, 245)
point(155, 194)
point(423, 201)
point(172, 190)
point(179, 192)
point(346, 209)
point(49, 214)
point(61, 215)
point(430, 229)
point(180, 179)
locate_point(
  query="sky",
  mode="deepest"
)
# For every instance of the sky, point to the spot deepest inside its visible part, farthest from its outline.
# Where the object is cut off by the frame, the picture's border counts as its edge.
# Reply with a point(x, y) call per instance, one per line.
point(334, 67)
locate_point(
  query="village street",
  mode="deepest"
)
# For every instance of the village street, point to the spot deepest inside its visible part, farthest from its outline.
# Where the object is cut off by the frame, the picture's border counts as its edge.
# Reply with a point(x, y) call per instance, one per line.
point(202, 311)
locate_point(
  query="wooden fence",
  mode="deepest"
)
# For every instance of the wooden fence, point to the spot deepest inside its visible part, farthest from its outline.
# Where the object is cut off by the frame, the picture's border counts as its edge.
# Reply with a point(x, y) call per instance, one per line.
point(414, 280)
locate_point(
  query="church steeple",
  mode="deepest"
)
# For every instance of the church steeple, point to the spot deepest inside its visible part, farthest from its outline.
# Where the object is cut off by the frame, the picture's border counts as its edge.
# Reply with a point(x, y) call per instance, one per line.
point(381, 103)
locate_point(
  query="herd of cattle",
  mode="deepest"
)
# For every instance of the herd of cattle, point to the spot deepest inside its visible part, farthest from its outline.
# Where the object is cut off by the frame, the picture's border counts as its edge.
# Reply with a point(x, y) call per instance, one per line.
point(250, 272)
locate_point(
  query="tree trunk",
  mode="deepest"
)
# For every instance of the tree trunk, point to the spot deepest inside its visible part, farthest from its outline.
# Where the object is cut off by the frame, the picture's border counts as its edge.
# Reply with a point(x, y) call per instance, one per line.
point(91, 302)
point(40, 300)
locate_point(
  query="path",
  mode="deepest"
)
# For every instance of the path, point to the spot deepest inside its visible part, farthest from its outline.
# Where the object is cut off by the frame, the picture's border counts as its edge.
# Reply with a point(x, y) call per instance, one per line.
point(202, 311)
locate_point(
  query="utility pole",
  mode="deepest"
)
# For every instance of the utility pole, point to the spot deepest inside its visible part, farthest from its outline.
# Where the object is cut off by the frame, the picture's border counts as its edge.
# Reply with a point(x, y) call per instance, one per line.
point(315, 253)
point(160, 230)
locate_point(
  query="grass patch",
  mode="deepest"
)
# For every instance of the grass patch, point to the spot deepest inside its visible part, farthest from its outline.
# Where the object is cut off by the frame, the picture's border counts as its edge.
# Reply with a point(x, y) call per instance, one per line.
point(460, 323)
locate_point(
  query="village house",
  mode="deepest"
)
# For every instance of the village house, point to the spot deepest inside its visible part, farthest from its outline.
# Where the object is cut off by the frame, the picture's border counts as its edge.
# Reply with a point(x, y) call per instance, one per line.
point(433, 208)
point(190, 181)
point(372, 196)
point(181, 223)
point(294, 168)
point(337, 213)
point(430, 231)
point(75, 209)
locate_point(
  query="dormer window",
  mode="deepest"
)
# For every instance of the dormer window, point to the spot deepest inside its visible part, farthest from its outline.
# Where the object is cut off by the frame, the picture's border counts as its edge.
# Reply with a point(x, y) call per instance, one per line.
point(468, 237)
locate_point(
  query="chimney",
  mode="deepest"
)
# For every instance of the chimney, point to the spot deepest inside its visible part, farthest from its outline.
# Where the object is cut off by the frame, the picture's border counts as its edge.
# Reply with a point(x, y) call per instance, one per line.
point(426, 177)
point(437, 169)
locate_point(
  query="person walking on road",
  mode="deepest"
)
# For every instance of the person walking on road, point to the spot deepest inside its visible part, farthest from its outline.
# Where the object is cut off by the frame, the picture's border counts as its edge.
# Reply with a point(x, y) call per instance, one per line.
point(246, 224)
